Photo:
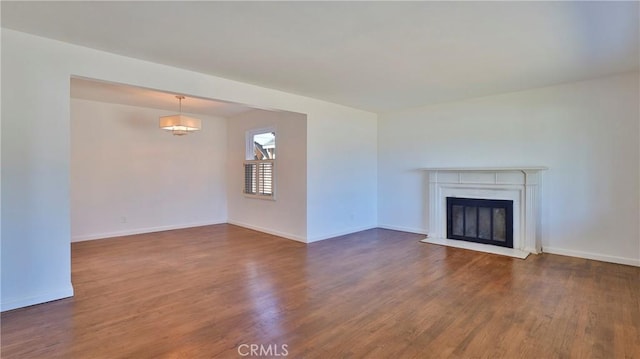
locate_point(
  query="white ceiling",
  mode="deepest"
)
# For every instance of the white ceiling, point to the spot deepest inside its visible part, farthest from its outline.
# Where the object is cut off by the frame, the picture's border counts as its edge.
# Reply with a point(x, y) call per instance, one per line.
point(377, 56)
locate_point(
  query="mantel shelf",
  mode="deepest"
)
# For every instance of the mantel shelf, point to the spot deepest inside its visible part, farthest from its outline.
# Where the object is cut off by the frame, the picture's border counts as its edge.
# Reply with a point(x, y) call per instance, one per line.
point(492, 169)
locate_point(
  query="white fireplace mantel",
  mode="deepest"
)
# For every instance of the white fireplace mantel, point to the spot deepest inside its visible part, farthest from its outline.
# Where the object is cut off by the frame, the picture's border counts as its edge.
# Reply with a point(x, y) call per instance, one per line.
point(522, 185)
point(485, 169)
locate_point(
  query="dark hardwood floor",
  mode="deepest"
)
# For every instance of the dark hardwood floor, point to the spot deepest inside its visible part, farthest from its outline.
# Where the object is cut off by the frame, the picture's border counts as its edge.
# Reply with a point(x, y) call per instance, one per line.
point(204, 292)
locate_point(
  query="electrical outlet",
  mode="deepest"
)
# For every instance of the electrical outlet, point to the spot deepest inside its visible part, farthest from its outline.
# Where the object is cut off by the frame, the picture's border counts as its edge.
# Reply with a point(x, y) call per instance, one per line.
point(123, 219)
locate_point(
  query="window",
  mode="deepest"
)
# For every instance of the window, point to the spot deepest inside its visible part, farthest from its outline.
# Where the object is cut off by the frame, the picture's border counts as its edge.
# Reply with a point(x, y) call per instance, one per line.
point(259, 167)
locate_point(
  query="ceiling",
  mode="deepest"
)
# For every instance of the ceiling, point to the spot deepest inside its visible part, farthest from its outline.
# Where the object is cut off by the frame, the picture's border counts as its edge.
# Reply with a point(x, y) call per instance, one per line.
point(136, 96)
point(376, 56)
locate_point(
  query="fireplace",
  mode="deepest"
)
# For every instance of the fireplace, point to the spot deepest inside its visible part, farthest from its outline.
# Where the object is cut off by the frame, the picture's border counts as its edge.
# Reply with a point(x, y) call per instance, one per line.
point(487, 221)
point(519, 186)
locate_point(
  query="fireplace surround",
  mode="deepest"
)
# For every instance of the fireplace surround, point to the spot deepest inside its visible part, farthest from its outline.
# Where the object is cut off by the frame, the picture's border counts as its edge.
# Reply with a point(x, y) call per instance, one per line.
point(522, 185)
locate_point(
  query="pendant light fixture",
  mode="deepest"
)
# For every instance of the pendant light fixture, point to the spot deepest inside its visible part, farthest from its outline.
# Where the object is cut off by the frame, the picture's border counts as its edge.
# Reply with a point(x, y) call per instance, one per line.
point(180, 124)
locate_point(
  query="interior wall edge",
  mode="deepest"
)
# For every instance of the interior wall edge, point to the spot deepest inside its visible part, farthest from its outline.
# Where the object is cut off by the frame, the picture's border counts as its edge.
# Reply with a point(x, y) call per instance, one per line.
point(269, 231)
point(341, 233)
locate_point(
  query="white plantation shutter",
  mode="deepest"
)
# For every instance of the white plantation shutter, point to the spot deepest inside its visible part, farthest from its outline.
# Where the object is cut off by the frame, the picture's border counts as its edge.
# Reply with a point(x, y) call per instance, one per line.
point(265, 184)
point(250, 178)
point(258, 177)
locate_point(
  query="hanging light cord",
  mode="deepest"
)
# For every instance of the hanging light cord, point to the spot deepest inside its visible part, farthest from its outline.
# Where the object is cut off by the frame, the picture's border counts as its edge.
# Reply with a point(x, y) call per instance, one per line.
point(180, 98)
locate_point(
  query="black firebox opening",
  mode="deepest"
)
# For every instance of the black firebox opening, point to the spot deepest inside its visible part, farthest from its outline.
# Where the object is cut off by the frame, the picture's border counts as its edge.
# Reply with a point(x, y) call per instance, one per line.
point(487, 221)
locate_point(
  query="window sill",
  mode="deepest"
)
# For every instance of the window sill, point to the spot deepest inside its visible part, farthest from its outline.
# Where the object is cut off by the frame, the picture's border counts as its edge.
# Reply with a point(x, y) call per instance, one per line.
point(257, 196)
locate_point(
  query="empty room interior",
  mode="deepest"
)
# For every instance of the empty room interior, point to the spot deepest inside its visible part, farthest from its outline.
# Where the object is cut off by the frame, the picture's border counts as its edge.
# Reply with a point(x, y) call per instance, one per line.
point(320, 179)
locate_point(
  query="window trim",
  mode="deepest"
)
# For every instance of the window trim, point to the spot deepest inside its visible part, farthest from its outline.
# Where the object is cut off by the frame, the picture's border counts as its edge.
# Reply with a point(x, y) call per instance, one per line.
point(248, 140)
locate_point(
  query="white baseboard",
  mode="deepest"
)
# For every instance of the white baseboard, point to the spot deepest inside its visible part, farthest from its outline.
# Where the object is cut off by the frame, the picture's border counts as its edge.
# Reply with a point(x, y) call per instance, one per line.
point(552, 250)
point(269, 231)
point(595, 256)
point(14, 303)
point(341, 233)
point(403, 229)
point(129, 232)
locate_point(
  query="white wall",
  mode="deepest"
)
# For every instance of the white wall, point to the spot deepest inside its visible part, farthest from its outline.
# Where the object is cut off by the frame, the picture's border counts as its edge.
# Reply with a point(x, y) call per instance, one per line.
point(36, 154)
point(342, 170)
point(286, 215)
point(128, 176)
point(35, 178)
point(587, 133)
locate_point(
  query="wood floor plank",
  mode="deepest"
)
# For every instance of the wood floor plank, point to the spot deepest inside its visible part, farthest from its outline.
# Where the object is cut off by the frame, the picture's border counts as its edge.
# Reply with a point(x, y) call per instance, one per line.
point(203, 292)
